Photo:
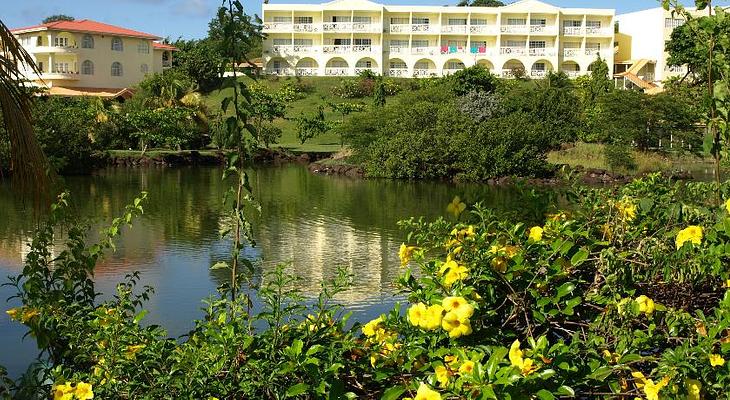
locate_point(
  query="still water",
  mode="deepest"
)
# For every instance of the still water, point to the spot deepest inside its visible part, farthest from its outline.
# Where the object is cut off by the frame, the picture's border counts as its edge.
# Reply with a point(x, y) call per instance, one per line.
point(314, 224)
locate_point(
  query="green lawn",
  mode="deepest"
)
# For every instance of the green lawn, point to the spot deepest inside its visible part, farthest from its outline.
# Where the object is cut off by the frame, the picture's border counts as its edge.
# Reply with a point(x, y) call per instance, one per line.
point(320, 95)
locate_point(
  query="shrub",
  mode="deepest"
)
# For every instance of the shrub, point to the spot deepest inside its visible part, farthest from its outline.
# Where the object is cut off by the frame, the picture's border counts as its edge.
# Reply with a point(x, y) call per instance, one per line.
point(619, 157)
point(475, 78)
point(482, 106)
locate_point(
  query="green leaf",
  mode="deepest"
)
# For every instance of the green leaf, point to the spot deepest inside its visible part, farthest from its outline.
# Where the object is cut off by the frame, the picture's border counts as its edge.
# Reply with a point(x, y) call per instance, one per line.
point(545, 395)
point(296, 390)
point(220, 265)
point(566, 391)
point(140, 316)
point(393, 393)
point(564, 289)
point(579, 257)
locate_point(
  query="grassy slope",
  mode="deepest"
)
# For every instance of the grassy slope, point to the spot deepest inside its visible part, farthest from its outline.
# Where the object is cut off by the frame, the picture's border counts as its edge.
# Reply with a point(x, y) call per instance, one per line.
point(322, 92)
point(590, 155)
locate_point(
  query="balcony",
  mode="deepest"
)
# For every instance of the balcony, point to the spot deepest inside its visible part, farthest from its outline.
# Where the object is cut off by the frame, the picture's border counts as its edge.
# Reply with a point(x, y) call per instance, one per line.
point(360, 70)
point(483, 30)
point(542, 52)
point(572, 74)
point(510, 73)
point(278, 71)
point(451, 71)
point(55, 49)
point(400, 28)
point(599, 31)
point(461, 29)
point(424, 73)
point(549, 30)
point(367, 27)
point(538, 73)
point(337, 26)
point(573, 31)
point(418, 51)
point(336, 49)
point(398, 49)
point(277, 27)
point(592, 52)
point(336, 71)
point(365, 48)
point(302, 71)
point(398, 72)
point(515, 29)
point(423, 28)
point(572, 53)
point(307, 28)
point(453, 49)
point(60, 75)
point(482, 51)
point(516, 51)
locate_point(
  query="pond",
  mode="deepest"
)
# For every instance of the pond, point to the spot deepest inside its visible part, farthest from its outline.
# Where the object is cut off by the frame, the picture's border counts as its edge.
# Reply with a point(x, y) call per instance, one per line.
point(315, 224)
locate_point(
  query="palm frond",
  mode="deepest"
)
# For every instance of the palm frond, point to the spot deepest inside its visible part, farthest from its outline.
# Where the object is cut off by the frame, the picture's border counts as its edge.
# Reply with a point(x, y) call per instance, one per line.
point(31, 174)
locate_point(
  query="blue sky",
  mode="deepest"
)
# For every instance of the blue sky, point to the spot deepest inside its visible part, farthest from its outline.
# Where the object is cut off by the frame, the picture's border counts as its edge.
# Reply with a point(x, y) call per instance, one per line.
point(189, 18)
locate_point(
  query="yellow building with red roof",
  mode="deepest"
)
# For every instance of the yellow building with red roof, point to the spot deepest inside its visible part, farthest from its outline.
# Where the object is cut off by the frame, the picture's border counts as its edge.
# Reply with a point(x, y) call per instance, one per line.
point(85, 57)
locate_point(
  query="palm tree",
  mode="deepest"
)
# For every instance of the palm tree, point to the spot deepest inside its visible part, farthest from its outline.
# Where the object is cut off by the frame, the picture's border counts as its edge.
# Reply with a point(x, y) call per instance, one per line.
point(30, 168)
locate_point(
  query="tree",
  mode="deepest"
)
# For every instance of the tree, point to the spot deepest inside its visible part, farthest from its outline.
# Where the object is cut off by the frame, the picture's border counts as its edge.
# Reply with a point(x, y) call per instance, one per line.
point(58, 17)
point(345, 109)
point(29, 165)
point(686, 48)
point(265, 108)
point(246, 31)
point(379, 92)
point(473, 78)
point(480, 3)
point(202, 60)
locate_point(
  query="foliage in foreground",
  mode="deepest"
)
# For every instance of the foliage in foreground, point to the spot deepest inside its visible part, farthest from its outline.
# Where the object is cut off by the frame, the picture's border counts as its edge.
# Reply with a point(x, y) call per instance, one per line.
point(623, 295)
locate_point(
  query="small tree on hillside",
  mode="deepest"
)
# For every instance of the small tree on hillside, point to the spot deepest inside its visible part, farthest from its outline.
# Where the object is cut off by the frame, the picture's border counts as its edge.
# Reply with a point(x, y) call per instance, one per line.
point(58, 17)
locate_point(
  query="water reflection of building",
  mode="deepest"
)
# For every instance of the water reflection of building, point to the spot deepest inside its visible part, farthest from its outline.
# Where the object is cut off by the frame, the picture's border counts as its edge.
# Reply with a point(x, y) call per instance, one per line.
point(314, 249)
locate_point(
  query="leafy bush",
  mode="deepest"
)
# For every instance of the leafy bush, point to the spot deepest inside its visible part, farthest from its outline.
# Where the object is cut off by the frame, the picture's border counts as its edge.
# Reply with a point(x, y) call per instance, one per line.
point(354, 88)
point(482, 106)
point(619, 157)
point(475, 78)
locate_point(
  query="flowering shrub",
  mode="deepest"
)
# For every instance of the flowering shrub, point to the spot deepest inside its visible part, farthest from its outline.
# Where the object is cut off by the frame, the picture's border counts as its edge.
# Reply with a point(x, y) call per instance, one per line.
point(621, 294)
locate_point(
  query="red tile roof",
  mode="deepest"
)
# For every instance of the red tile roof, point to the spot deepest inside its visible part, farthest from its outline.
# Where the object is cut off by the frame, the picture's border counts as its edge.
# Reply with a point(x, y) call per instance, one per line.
point(86, 25)
point(163, 46)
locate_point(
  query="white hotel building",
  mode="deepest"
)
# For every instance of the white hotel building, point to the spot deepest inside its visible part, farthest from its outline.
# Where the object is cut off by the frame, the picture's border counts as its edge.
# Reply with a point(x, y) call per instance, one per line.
point(345, 37)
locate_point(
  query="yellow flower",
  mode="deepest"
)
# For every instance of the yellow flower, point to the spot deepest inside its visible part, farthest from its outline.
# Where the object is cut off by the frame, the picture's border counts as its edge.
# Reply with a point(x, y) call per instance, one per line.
point(467, 367)
point(13, 313)
point(451, 360)
point(433, 317)
point(526, 365)
point(453, 272)
point(727, 205)
point(426, 393)
point(131, 351)
point(535, 234)
point(651, 389)
point(417, 313)
point(455, 326)
point(716, 360)
point(370, 328)
point(727, 283)
point(63, 392)
point(459, 305)
point(646, 305)
point(456, 207)
point(639, 378)
point(83, 391)
point(405, 253)
point(694, 388)
point(499, 264)
point(613, 358)
point(442, 375)
point(692, 234)
point(627, 209)
point(29, 314)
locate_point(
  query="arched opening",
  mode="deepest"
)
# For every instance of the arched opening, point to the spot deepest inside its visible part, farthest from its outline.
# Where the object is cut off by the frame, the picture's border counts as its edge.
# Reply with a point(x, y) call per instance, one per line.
point(486, 64)
point(117, 69)
point(424, 68)
point(540, 68)
point(513, 69)
point(87, 67)
point(571, 68)
point(87, 42)
point(307, 67)
point(336, 67)
point(277, 66)
point(366, 64)
point(117, 44)
point(64, 39)
point(397, 68)
point(453, 65)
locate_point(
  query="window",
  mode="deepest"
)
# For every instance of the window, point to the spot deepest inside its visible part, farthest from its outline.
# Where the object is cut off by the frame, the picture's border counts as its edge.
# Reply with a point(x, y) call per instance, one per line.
point(478, 43)
point(538, 22)
point(284, 20)
point(39, 41)
point(422, 65)
point(571, 45)
point(364, 64)
point(420, 43)
point(672, 23)
point(282, 42)
point(60, 41)
point(593, 24)
point(515, 43)
point(144, 68)
point(303, 20)
point(478, 21)
point(306, 64)
point(398, 65)
point(87, 68)
point(363, 42)
point(399, 21)
point(143, 48)
point(117, 44)
point(342, 42)
point(303, 42)
point(40, 66)
point(455, 65)
point(117, 68)
point(340, 18)
point(537, 44)
point(87, 42)
point(420, 20)
point(538, 66)
point(62, 68)
point(516, 21)
point(456, 21)
point(572, 23)
point(593, 46)
point(399, 43)
point(456, 43)
point(362, 20)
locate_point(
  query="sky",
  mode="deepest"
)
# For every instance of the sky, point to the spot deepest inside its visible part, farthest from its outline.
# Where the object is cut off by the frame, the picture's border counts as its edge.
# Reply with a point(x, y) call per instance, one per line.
point(189, 18)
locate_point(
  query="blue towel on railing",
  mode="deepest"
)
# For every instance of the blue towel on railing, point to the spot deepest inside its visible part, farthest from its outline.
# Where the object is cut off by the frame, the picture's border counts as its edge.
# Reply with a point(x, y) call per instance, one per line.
point(452, 49)
point(474, 50)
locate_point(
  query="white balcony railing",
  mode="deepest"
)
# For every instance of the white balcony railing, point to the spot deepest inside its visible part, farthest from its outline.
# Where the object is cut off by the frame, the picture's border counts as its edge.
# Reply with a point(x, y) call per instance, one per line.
point(508, 73)
point(573, 31)
point(400, 28)
point(336, 49)
point(423, 73)
point(362, 48)
point(55, 49)
point(453, 49)
point(278, 71)
point(398, 72)
point(360, 70)
point(449, 71)
point(544, 30)
point(542, 52)
point(571, 52)
point(398, 49)
point(518, 51)
point(572, 74)
point(366, 27)
point(515, 29)
point(60, 74)
point(453, 28)
point(483, 29)
point(307, 28)
point(592, 52)
point(425, 51)
point(335, 71)
point(482, 51)
point(277, 26)
point(590, 31)
point(538, 73)
point(337, 26)
point(306, 71)
point(423, 28)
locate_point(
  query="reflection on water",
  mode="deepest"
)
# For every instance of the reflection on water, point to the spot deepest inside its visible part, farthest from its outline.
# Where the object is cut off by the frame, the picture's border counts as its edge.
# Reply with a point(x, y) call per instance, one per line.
point(314, 224)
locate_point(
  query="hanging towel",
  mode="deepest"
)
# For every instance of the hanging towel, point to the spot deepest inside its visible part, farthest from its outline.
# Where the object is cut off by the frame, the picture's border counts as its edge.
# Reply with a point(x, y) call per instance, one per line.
point(452, 49)
point(482, 49)
point(444, 49)
point(474, 50)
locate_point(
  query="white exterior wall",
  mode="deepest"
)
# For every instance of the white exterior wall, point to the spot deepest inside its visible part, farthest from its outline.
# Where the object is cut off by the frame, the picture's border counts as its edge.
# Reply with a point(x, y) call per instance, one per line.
point(434, 49)
point(102, 56)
